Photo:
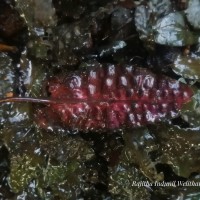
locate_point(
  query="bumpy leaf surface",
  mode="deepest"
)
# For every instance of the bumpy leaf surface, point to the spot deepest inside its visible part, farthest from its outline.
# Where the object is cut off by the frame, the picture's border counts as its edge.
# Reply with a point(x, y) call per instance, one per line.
point(112, 97)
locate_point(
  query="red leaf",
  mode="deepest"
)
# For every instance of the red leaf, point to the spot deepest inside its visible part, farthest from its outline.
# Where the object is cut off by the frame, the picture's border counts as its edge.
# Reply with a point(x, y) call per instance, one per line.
point(112, 97)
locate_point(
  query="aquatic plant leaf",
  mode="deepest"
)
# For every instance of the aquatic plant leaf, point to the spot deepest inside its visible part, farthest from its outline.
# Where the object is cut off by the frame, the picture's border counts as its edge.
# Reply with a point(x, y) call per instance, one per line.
point(123, 180)
point(7, 76)
point(147, 15)
point(39, 47)
point(63, 149)
point(33, 74)
point(139, 143)
point(7, 89)
point(37, 13)
point(172, 30)
point(64, 181)
point(26, 160)
point(187, 66)
point(158, 146)
point(112, 97)
point(120, 17)
point(64, 173)
point(24, 168)
point(9, 82)
point(193, 13)
point(191, 111)
point(163, 144)
point(179, 148)
point(160, 7)
point(183, 190)
point(142, 21)
point(76, 37)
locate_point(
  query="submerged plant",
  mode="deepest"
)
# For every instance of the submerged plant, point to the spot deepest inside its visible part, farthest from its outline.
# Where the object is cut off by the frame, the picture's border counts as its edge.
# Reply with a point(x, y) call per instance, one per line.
point(110, 97)
point(73, 67)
